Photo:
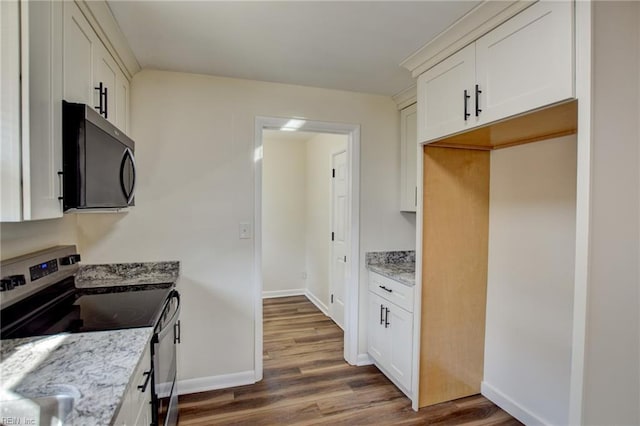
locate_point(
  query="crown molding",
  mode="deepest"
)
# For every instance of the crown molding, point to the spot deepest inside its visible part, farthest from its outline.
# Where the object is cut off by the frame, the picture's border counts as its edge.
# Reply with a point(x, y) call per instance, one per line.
point(406, 97)
point(479, 21)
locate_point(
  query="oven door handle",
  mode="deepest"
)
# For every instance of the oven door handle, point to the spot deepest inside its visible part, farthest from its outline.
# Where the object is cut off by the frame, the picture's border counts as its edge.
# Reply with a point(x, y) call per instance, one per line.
point(169, 325)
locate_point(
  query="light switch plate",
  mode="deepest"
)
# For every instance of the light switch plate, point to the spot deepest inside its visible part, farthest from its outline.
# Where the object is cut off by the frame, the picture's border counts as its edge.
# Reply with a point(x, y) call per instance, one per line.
point(245, 231)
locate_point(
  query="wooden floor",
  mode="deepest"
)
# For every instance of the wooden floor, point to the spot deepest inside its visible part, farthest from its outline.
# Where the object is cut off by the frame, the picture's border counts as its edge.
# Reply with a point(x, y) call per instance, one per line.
point(307, 382)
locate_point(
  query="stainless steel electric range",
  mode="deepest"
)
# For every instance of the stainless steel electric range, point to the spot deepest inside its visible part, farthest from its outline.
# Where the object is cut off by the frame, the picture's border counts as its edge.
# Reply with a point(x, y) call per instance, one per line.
point(38, 297)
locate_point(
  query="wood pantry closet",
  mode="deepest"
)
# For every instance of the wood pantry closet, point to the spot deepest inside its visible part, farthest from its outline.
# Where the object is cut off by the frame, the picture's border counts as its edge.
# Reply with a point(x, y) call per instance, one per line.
point(497, 115)
point(458, 246)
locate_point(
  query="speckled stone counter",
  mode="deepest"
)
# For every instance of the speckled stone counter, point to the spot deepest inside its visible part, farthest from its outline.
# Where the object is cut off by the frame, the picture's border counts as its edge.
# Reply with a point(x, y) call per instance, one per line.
point(397, 265)
point(127, 274)
point(98, 365)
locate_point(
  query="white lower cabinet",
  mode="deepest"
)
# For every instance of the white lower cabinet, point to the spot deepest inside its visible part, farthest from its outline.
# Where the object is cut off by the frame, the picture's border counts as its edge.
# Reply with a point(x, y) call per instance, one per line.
point(390, 338)
point(135, 408)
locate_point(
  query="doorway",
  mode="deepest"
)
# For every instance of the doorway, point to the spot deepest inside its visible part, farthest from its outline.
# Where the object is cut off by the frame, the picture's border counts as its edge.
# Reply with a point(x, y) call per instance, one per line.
point(342, 220)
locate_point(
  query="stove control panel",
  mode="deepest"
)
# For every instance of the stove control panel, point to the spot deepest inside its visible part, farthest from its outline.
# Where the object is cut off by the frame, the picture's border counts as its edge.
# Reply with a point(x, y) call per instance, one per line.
point(25, 275)
point(43, 269)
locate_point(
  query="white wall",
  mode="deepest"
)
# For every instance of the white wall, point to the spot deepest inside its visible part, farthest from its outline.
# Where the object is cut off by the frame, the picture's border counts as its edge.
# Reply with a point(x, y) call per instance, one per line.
point(25, 237)
point(530, 278)
point(284, 204)
point(318, 221)
point(296, 213)
point(612, 371)
point(194, 149)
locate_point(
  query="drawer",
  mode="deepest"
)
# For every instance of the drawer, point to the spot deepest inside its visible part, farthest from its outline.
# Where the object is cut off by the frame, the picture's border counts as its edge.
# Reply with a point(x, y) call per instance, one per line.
point(138, 397)
point(392, 291)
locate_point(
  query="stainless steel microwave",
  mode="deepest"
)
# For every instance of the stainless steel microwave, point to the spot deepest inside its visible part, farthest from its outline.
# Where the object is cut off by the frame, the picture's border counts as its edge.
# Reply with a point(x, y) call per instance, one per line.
point(99, 169)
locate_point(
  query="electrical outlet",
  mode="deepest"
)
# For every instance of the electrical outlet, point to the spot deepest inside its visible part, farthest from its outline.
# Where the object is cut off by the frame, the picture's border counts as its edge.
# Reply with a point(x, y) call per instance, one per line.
point(245, 231)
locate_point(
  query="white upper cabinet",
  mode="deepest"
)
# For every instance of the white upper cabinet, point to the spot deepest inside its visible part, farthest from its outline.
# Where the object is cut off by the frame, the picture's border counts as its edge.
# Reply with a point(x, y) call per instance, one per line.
point(92, 76)
point(523, 64)
point(121, 102)
point(444, 96)
point(79, 45)
point(104, 80)
point(527, 62)
point(32, 128)
point(408, 158)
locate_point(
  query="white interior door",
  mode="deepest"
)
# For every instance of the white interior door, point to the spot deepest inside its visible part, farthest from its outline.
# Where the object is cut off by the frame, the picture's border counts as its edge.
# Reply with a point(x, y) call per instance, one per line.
point(339, 231)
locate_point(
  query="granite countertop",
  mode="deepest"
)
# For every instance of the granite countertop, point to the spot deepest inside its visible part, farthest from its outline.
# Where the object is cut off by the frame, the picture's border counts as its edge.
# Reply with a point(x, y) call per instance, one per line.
point(127, 274)
point(97, 364)
point(399, 266)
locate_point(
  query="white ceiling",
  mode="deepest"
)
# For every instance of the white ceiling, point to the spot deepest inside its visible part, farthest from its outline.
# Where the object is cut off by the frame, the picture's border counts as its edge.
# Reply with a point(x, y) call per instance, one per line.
point(348, 45)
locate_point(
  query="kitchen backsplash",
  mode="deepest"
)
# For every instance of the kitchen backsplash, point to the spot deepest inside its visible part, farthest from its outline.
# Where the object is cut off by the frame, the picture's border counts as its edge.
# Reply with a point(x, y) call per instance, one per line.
point(127, 274)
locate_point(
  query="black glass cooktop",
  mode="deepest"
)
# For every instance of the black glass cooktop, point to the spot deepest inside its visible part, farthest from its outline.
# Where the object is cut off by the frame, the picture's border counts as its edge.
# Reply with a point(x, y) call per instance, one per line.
point(66, 309)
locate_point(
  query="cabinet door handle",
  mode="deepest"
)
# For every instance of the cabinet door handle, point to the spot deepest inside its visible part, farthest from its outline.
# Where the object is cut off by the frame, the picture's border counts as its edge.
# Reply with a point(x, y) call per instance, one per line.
point(466, 105)
point(478, 110)
point(388, 290)
point(177, 332)
point(143, 387)
point(106, 111)
point(381, 314)
point(386, 318)
point(61, 183)
point(100, 107)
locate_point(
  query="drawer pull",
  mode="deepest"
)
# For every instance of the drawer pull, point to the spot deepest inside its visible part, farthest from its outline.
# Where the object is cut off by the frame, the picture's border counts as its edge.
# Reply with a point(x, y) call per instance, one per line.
point(388, 290)
point(143, 387)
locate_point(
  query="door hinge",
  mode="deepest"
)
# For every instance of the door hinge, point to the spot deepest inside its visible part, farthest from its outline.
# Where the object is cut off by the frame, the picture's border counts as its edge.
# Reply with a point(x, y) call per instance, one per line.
point(333, 172)
point(332, 298)
point(333, 235)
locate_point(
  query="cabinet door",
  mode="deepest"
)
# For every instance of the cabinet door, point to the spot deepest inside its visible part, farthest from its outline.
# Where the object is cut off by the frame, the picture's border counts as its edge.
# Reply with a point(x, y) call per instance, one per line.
point(441, 96)
point(527, 62)
point(105, 72)
point(11, 173)
point(135, 407)
point(41, 55)
point(377, 346)
point(408, 155)
point(400, 345)
point(122, 102)
point(78, 53)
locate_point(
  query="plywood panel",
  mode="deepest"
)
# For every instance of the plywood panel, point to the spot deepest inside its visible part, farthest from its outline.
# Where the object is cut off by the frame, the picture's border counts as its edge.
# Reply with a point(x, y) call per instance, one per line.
point(551, 122)
point(454, 277)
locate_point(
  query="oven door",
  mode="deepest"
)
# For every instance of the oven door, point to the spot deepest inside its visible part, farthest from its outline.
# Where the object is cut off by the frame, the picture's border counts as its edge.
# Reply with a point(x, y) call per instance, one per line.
point(165, 398)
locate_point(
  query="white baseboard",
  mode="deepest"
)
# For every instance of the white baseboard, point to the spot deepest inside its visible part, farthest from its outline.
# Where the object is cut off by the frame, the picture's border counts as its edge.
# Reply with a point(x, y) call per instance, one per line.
point(312, 297)
point(510, 406)
point(363, 359)
point(204, 384)
point(284, 293)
